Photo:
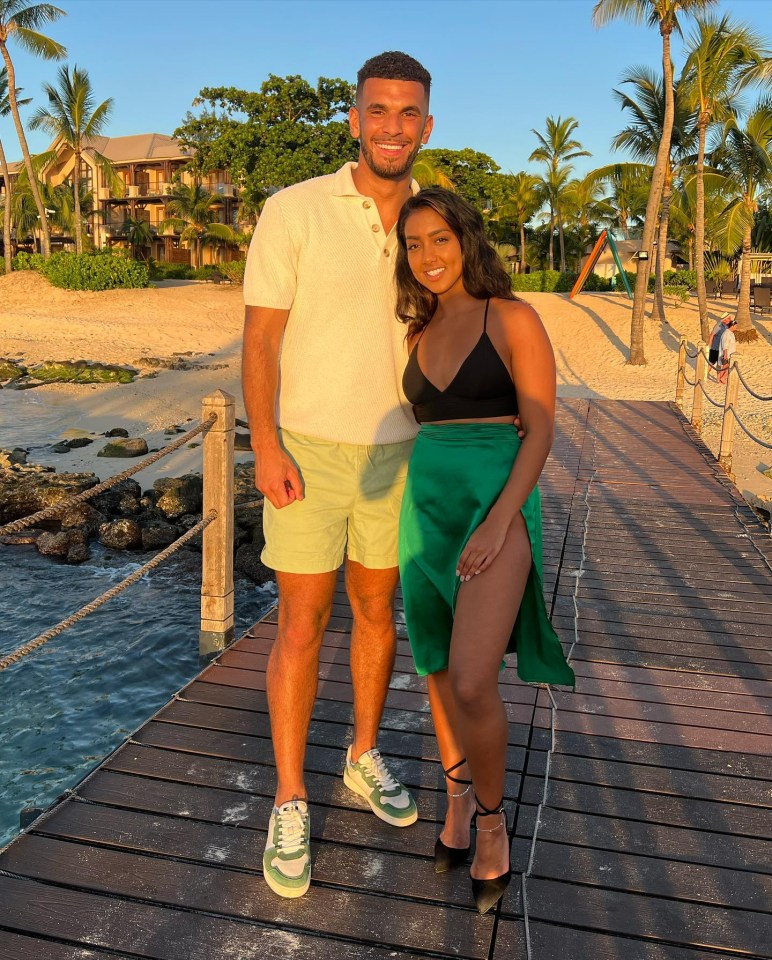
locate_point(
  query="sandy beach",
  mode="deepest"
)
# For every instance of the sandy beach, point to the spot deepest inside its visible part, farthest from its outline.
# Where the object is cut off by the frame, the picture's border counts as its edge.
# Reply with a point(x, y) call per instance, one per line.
point(200, 324)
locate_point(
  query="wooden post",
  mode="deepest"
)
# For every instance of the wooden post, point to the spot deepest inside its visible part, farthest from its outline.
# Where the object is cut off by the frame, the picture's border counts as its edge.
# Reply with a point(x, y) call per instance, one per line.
point(217, 558)
point(679, 386)
point(727, 424)
point(699, 377)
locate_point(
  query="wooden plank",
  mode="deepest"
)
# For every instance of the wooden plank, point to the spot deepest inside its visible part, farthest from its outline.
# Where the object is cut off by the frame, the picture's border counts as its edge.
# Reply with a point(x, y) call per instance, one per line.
point(146, 930)
point(733, 889)
point(14, 946)
point(657, 918)
point(646, 839)
point(652, 779)
point(240, 894)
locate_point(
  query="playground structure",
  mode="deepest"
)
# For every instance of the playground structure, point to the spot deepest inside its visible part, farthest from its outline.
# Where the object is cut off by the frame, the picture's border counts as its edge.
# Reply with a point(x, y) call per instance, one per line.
point(604, 239)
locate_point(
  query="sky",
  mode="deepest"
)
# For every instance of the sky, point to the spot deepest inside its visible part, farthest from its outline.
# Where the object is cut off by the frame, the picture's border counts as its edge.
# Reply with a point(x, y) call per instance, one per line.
point(499, 67)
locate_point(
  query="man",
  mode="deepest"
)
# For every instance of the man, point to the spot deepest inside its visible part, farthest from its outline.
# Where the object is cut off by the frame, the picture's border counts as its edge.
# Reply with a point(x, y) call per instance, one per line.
point(726, 348)
point(715, 338)
point(332, 432)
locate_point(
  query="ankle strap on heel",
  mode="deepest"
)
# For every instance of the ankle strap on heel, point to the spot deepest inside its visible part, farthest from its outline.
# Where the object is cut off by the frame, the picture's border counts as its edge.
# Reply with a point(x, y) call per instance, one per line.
point(483, 811)
point(448, 776)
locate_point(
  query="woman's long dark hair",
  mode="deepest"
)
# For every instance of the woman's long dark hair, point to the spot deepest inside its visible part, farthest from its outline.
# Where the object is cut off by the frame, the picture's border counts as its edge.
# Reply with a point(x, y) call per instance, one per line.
point(483, 273)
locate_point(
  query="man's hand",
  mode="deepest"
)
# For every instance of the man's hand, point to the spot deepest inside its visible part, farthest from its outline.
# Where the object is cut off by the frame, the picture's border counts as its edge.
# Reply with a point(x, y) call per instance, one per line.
point(277, 478)
point(519, 427)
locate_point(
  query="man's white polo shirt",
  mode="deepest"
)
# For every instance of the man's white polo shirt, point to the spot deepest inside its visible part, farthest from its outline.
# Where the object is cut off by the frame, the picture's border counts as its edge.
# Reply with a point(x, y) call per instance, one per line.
point(320, 251)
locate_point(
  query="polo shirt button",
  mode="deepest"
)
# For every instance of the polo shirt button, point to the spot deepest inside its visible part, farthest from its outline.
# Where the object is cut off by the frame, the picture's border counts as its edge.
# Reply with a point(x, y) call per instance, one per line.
point(387, 253)
point(376, 228)
point(367, 204)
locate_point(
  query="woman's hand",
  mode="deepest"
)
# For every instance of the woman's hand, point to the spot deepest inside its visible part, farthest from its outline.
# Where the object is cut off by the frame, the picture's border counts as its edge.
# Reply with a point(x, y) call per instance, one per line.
point(481, 549)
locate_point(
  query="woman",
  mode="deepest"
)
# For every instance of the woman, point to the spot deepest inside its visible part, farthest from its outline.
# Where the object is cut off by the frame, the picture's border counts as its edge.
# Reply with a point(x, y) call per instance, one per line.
point(470, 528)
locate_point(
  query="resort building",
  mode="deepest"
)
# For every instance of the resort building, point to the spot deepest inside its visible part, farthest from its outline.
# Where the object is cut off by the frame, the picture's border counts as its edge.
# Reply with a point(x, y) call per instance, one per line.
point(147, 167)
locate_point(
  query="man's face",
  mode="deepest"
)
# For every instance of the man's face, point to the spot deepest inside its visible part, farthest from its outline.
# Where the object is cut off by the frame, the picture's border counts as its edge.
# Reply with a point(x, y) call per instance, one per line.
point(391, 121)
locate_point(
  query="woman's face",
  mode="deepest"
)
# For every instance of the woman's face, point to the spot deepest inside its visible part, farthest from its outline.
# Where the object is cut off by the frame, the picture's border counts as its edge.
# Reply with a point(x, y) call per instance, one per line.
point(433, 251)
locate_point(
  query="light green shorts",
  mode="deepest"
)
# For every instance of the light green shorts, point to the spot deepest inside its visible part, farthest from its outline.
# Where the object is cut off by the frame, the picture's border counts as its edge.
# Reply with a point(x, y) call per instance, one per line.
point(351, 508)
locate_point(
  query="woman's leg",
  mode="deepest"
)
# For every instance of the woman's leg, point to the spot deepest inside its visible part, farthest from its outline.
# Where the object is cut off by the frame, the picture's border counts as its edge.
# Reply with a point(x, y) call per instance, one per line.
point(455, 833)
point(486, 609)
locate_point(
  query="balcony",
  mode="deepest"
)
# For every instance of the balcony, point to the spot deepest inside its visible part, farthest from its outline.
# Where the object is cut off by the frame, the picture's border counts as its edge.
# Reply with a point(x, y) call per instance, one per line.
point(222, 189)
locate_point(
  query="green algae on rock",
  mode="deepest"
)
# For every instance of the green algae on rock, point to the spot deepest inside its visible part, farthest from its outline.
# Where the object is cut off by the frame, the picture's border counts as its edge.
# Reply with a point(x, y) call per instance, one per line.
point(81, 371)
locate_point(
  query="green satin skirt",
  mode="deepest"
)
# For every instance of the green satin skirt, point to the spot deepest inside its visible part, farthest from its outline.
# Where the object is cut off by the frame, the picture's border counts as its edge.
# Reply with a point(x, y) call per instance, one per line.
point(456, 474)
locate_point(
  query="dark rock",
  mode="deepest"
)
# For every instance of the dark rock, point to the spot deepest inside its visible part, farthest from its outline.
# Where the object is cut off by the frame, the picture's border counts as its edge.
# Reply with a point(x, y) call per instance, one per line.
point(123, 498)
point(81, 371)
point(13, 458)
point(82, 515)
point(172, 429)
point(157, 535)
point(60, 544)
point(179, 495)
point(242, 441)
point(147, 501)
point(78, 553)
point(78, 442)
point(61, 447)
point(134, 447)
point(117, 432)
point(122, 534)
point(247, 561)
point(22, 539)
point(188, 520)
point(9, 370)
point(26, 490)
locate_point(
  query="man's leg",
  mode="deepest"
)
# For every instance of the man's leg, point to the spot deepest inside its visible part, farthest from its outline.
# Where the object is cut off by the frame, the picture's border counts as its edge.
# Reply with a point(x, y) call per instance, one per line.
point(305, 601)
point(373, 647)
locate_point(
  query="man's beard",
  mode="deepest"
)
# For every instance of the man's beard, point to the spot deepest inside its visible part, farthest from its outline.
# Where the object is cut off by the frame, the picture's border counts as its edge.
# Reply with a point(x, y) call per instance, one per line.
point(384, 170)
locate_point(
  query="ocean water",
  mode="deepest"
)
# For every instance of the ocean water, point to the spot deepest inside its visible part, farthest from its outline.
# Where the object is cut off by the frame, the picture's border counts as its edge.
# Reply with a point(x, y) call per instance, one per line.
point(66, 706)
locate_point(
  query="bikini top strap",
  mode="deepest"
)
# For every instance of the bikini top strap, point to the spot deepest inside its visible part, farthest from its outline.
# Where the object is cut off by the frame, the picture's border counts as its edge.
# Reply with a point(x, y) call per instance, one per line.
point(485, 317)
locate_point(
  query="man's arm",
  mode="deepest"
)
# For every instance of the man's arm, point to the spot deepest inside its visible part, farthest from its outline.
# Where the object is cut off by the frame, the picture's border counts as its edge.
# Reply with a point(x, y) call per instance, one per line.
point(276, 476)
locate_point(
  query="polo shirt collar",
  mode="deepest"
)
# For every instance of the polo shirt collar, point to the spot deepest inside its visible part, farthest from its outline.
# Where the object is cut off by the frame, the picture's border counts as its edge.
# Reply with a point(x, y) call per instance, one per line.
point(343, 182)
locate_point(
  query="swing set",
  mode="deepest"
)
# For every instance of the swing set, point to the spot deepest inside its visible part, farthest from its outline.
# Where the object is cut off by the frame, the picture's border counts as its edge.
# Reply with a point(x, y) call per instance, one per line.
point(604, 239)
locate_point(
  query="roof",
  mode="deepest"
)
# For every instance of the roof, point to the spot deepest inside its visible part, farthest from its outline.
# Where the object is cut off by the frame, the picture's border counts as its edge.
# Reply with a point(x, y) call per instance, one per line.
point(141, 146)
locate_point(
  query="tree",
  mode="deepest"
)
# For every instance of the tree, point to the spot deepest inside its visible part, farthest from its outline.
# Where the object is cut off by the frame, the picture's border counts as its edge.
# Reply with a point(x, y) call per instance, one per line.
point(646, 110)
point(5, 109)
point(664, 15)
point(521, 204)
point(721, 57)
point(428, 174)
point(286, 132)
point(744, 159)
point(192, 214)
point(627, 187)
point(20, 20)
point(72, 117)
point(138, 234)
point(556, 150)
point(475, 176)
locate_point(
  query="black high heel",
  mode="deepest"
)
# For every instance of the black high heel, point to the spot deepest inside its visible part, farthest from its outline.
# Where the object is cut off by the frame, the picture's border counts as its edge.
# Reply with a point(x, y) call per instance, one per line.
point(446, 858)
point(487, 893)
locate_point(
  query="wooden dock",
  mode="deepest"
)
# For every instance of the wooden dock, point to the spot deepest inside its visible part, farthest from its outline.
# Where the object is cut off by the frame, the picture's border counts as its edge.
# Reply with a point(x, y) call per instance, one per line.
point(653, 845)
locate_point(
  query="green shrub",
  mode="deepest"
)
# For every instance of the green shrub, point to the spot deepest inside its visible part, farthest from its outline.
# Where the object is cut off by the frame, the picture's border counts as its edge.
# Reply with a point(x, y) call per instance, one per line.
point(542, 281)
point(27, 261)
point(207, 272)
point(675, 278)
point(94, 271)
point(234, 270)
point(2, 264)
point(596, 284)
point(678, 290)
point(170, 271)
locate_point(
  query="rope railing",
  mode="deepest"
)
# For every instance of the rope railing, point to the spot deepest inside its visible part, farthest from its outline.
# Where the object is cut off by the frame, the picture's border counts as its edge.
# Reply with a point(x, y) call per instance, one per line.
point(57, 508)
point(761, 443)
point(217, 608)
point(734, 378)
point(84, 611)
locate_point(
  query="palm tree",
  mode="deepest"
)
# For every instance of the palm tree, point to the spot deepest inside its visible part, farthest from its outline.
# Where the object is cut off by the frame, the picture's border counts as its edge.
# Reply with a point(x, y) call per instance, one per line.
point(5, 109)
point(627, 187)
point(556, 149)
point(72, 117)
point(664, 15)
point(642, 137)
point(522, 201)
point(192, 214)
point(722, 54)
point(139, 235)
point(683, 212)
point(745, 160)
point(428, 174)
point(20, 20)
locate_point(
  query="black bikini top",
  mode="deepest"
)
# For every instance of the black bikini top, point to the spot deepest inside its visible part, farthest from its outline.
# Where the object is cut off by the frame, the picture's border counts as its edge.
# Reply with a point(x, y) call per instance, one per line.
point(482, 387)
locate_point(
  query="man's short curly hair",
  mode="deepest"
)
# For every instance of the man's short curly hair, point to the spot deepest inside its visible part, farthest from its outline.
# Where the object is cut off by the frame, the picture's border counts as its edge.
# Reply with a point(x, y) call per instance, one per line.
point(394, 65)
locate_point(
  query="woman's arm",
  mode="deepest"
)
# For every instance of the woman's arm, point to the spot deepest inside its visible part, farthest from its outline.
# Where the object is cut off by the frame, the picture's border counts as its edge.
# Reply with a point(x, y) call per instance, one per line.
point(532, 365)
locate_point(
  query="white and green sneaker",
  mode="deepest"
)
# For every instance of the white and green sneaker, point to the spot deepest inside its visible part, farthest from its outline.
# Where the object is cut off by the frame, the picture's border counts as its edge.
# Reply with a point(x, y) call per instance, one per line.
point(369, 777)
point(287, 856)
